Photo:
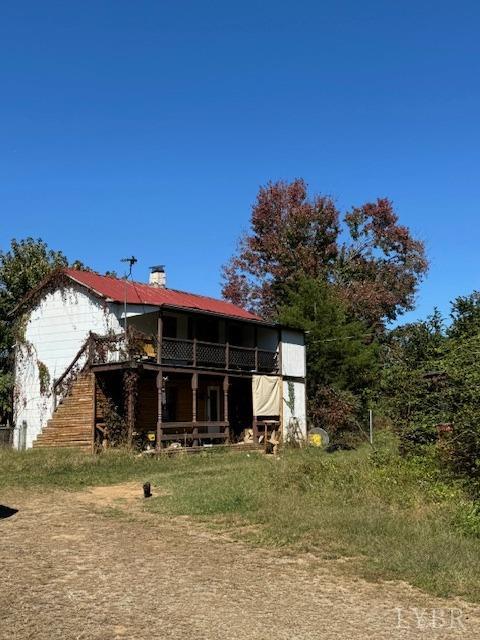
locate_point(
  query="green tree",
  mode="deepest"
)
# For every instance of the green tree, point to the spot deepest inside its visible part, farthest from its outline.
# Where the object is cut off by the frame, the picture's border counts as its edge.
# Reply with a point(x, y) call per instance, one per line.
point(461, 447)
point(414, 380)
point(431, 377)
point(22, 267)
point(356, 271)
point(342, 356)
point(465, 316)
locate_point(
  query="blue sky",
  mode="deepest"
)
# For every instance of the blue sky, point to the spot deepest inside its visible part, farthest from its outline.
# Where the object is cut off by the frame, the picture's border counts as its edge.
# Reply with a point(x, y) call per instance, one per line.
point(147, 127)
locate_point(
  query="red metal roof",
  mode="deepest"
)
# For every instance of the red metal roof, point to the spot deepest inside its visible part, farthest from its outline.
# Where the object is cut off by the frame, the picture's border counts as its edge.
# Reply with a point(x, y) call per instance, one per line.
point(145, 294)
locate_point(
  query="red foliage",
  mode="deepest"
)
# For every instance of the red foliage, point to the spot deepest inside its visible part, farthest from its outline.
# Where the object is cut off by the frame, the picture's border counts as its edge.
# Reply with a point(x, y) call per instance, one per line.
point(290, 234)
point(380, 269)
point(376, 271)
point(336, 412)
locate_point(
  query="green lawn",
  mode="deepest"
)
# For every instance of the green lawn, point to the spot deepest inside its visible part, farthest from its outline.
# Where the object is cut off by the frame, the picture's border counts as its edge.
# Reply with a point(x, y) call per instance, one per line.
point(394, 518)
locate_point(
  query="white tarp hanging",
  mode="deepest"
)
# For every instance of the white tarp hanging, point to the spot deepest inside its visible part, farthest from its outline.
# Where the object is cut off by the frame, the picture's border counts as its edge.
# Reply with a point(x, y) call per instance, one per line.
point(266, 394)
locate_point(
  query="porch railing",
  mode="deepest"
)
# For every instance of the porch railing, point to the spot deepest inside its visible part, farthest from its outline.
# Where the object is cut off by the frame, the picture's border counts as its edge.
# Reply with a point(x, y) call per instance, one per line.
point(95, 350)
point(196, 353)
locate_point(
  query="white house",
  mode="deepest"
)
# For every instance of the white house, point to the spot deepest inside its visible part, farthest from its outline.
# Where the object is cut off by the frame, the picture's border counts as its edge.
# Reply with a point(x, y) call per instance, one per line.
point(192, 370)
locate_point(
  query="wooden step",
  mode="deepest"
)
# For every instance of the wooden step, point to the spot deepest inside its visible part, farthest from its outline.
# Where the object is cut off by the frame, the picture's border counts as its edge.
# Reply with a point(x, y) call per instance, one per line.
point(46, 437)
point(71, 423)
point(67, 429)
point(66, 445)
point(51, 443)
point(64, 436)
point(78, 435)
point(66, 442)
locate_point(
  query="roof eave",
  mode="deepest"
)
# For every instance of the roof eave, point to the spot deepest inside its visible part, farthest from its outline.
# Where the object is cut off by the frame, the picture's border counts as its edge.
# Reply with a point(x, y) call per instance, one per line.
point(89, 287)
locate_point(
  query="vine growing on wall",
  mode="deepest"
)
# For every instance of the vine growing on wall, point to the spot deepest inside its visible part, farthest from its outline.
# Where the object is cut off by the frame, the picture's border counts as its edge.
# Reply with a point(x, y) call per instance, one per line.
point(20, 328)
point(28, 270)
point(115, 424)
point(130, 395)
point(291, 397)
point(293, 436)
point(44, 377)
point(115, 431)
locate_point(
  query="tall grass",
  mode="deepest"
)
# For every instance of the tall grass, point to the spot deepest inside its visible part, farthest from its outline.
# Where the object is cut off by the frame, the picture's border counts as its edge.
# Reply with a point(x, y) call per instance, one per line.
point(391, 517)
point(68, 468)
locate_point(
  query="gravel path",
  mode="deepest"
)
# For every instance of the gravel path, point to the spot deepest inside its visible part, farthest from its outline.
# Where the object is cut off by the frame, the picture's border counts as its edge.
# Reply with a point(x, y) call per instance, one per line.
point(67, 571)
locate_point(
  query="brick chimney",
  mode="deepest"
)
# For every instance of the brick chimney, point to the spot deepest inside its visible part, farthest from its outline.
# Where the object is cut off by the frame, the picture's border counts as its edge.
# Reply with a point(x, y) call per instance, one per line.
point(158, 277)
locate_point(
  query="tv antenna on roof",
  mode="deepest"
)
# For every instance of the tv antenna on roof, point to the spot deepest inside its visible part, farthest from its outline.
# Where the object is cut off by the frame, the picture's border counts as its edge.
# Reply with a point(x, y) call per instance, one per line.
point(131, 261)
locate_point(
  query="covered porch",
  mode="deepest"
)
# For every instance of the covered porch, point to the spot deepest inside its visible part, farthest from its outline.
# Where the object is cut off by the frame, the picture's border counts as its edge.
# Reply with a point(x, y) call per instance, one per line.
point(159, 407)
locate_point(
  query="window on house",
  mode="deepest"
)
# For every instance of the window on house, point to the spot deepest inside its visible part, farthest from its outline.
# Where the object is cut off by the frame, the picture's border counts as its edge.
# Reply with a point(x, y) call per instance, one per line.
point(169, 327)
point(207, 329)
point(235, 334)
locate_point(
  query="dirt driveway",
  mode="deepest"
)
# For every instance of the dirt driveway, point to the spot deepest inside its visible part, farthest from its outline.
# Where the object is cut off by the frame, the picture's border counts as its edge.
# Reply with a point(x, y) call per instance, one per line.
point(69, 570)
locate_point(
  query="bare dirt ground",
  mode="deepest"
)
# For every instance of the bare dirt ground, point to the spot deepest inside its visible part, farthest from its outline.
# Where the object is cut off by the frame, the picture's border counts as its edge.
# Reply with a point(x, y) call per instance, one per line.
point(92, 565)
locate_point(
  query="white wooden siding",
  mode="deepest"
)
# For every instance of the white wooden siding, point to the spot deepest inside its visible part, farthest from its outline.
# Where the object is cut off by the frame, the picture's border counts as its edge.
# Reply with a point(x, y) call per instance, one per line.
point(293, 353)
point(299, 409)
point(55, 331)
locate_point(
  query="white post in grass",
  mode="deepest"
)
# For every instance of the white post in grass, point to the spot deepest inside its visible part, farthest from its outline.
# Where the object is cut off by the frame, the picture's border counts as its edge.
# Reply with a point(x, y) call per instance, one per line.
point(370, 415)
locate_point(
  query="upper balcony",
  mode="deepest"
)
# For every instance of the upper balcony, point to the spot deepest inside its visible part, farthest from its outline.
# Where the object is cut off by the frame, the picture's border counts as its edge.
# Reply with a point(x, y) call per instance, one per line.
point(182, 353)
point(193, 341)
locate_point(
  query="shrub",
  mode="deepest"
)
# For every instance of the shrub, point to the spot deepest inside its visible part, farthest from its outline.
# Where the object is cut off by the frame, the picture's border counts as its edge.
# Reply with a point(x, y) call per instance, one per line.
point(337, 412)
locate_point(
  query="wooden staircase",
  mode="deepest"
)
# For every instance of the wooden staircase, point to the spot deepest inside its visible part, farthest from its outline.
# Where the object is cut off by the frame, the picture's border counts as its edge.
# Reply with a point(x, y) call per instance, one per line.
point(71, 424)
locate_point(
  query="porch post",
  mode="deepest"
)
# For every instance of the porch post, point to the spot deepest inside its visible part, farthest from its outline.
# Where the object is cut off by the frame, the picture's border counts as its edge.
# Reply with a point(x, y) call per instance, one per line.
point(194, 329)
point(227, 345)
point(159, 337)
point(255, 430)
point(279, 358)
point(130, 385)
point(225, 408)
point(159, 442)
point(194, 408)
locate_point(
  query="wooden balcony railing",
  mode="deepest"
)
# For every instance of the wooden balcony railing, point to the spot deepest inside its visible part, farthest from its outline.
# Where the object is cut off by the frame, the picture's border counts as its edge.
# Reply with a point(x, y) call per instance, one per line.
point(182, 353)
point(195, 353)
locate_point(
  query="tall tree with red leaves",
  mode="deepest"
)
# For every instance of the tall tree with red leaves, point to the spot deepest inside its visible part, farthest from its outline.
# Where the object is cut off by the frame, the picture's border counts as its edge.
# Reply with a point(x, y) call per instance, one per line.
point(373, 263)
point(381, 265)
point(290, 234)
